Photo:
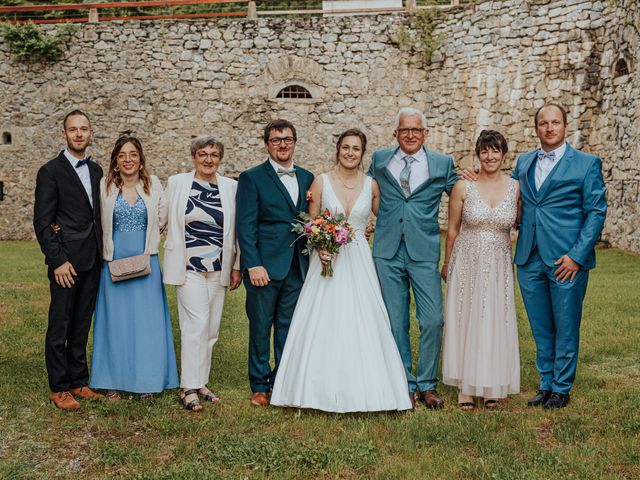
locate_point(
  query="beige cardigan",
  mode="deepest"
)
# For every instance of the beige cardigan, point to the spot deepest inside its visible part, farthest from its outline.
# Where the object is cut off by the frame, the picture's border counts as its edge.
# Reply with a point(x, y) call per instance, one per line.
point(172, 213)
point(107, 204)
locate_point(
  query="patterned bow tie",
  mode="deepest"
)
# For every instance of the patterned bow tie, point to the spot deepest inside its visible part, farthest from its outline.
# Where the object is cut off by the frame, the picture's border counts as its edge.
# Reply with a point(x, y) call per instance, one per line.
point(82, 162)
point(542, 156)
point(286, 171)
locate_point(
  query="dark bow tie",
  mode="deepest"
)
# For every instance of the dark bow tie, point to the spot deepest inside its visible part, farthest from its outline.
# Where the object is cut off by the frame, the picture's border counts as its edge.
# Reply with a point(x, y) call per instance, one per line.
point(82, 162)
point(286, 171)
point(546, 156)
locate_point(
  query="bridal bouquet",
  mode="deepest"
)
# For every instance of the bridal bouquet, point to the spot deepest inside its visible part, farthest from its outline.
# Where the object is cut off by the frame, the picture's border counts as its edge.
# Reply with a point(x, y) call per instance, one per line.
point(325, 232)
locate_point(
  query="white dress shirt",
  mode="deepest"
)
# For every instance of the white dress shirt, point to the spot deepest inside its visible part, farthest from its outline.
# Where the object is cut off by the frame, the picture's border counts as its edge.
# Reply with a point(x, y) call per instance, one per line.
point(82, 172)
point(419, 168)
point(290, 183)
point(544, 166)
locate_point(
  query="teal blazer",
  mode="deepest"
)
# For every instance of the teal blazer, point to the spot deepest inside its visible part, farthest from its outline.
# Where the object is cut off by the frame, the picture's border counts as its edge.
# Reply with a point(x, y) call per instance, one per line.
point(567, 214)
point(264, 214)
point(415, 217)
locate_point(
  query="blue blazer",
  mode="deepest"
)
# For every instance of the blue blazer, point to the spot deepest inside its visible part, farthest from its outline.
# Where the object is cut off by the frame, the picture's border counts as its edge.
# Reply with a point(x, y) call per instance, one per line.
point(567, 214)
point(416, 216)
point(264, 214)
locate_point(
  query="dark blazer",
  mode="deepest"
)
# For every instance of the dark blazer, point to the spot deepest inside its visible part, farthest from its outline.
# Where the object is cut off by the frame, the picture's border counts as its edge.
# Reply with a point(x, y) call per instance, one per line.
point(567, 214)
point(264, 214)
point(61, 198)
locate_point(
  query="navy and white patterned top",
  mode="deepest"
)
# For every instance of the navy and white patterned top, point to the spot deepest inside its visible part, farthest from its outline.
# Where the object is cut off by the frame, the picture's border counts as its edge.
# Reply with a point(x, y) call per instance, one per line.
point(203, 228)
point(129, 218)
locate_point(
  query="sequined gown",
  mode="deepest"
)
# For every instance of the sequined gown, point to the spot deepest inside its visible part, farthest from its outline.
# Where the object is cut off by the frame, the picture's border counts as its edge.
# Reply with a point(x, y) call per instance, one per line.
point(340, 355)
point(480, 348)
point(132, 340)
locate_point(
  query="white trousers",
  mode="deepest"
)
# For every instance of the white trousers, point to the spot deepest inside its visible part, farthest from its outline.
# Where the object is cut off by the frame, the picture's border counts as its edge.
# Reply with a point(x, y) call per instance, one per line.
point(200, 303)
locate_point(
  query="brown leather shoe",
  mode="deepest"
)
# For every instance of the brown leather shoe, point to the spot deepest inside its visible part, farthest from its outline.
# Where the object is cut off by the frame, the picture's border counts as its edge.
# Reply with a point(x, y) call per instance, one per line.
point(259, 399)
point(85, 393)
point(64, 401)
point(431, 399)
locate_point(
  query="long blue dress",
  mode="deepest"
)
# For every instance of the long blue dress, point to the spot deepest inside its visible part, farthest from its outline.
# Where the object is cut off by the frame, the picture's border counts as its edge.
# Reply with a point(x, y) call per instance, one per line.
point(132, 340)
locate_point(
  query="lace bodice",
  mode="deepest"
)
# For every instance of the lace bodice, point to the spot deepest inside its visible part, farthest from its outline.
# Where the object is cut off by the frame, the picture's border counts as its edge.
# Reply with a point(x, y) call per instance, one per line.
point(361, 208)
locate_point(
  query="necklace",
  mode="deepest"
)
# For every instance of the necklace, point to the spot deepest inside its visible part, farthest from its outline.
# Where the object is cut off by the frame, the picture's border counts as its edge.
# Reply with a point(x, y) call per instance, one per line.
point(345, 185)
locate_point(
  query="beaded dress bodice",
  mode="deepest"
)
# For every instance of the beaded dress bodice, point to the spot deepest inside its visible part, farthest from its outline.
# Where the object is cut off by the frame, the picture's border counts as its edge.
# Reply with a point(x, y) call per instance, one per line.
point(489, 226)
point(129, 218)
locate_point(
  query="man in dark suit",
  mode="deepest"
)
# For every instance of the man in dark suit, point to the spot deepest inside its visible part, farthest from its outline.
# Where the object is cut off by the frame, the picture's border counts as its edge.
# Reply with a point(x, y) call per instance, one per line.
point(67, 197)
point(269, 198)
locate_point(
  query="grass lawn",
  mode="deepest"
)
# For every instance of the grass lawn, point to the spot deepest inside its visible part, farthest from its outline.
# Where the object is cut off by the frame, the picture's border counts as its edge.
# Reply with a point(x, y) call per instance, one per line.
point(597, 436)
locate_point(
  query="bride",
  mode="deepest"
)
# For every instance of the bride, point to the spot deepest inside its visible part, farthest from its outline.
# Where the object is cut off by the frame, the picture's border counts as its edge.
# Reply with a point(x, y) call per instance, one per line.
point(340, 355)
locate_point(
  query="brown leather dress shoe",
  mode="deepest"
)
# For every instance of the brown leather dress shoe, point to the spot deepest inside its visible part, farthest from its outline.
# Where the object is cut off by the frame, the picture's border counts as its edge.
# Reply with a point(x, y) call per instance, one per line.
point(431, 399)
point(259, 399)
point(85, 393)
point(64, 401)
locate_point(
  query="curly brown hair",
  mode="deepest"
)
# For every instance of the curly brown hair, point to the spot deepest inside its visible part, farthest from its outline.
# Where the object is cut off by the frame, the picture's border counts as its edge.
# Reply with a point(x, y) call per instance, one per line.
point(113, 176)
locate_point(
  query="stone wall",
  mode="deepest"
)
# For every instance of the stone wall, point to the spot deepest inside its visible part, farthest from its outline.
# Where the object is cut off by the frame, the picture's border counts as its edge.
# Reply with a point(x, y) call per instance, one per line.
point(168, 81)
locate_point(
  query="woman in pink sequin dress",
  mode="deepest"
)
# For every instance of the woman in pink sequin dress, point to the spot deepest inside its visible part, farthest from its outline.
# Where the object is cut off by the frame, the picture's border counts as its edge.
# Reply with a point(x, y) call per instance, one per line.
point(480, 347)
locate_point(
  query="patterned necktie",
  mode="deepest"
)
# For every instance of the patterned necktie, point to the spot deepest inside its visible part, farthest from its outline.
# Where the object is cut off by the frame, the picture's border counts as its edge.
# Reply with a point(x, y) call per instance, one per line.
point(286, 171)
point(405, 175)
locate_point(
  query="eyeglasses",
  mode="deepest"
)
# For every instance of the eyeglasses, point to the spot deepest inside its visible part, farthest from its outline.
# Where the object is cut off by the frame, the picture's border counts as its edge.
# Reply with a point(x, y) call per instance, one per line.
point(278, 140)
point(202, 156)
point(413, 131)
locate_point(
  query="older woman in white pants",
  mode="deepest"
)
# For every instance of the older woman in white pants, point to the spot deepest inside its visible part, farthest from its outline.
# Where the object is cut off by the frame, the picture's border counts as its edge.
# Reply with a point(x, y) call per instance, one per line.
point(201, 259)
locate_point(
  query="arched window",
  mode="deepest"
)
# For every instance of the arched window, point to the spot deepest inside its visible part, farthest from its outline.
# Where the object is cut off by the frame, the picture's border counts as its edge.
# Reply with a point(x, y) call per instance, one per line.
point(294, 91)
point(6, 138)
point(621, 68)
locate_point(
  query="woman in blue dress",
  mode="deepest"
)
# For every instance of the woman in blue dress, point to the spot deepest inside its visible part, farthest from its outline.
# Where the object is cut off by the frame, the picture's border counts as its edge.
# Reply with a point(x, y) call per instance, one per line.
point(132, 340)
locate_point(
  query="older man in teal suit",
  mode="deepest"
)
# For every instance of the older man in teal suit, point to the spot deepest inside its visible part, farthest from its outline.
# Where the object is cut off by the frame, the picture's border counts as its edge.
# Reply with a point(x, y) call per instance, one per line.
point(406, 247)
point(563, 212)
point(269, 198)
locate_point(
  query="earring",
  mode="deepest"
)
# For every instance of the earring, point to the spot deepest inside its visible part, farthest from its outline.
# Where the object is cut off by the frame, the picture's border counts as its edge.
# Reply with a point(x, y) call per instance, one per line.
point(116, 169)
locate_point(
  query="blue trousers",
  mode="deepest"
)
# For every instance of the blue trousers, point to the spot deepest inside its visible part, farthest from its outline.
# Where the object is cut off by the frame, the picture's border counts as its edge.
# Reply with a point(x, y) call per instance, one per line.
point(554, 310)
point(396, 276)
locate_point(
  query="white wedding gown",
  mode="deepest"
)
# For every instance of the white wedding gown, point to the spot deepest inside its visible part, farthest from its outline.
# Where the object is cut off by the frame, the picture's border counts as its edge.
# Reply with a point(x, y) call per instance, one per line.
point(340, 355)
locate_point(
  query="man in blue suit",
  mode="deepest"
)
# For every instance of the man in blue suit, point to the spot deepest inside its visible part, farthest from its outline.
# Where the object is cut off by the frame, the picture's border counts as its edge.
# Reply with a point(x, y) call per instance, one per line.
point(269, 198)
point(406, 247)
point(563, 212)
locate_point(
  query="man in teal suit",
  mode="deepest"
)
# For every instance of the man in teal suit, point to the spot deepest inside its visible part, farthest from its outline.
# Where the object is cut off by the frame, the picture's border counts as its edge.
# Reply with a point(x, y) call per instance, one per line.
point(269, 198)
point(563, 212)
point(406, 247)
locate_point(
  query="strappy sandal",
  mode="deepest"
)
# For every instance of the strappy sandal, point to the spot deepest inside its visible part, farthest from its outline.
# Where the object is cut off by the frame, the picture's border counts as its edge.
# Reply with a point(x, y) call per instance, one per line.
point(208, 395)
point(113, 396)
point(192, 405)
point(491, 404)
point(146, 397)
point(467, 406)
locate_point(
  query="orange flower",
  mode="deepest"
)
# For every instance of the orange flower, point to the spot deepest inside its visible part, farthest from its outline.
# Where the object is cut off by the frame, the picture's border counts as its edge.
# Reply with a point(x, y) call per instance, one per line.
point(318, 221)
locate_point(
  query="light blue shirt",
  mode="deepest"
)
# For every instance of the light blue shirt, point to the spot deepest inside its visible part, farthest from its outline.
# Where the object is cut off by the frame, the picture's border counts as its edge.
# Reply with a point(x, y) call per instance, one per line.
point(544, 167)
point(419, 168)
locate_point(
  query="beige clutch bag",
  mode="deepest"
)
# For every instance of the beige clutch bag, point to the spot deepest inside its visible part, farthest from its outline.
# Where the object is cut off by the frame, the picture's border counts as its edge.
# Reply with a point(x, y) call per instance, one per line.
point(130, 267)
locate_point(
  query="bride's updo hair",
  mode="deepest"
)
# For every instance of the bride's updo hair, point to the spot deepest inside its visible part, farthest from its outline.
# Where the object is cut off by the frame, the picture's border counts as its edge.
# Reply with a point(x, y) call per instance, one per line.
point(352, 132)
point(491, 139)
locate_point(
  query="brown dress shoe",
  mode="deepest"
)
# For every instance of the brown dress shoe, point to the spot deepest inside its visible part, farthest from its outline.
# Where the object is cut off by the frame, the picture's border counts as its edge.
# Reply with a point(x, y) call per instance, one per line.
point(64, 401)
point(85, 393)
point(259, 399)
point(431, 399)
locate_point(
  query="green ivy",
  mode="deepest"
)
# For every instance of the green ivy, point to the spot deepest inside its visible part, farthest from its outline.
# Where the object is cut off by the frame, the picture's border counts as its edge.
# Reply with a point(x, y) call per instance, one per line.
point(28, 43)
point(423, 41)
